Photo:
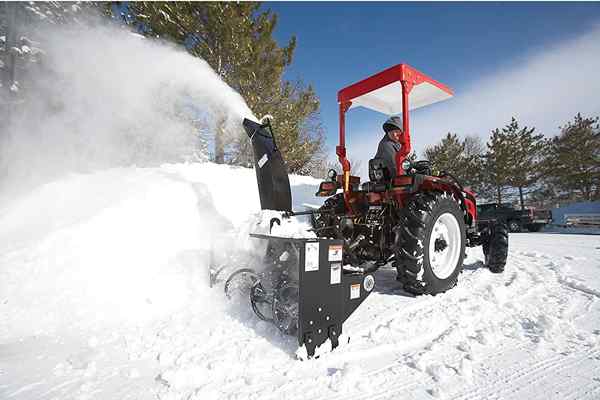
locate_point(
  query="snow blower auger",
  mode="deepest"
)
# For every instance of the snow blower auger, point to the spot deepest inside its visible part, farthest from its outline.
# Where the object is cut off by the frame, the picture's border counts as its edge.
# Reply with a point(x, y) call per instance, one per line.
point(415, 220)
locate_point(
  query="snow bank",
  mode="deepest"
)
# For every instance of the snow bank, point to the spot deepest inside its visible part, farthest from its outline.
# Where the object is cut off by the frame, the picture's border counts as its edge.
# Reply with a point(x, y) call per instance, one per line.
point(122, 245)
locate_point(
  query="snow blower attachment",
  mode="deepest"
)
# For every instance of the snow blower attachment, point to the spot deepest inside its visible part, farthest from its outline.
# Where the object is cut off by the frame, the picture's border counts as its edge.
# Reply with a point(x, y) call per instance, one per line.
point(300, 284)
point(302, 289)
point(412, 219)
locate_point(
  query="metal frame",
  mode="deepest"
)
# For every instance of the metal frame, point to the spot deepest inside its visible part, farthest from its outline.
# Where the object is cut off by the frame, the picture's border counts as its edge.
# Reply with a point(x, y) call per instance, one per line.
point(408, 78)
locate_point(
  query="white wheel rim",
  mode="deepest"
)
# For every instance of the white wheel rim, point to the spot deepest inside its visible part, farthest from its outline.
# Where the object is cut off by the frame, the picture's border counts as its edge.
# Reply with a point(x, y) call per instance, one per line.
point(444, 256)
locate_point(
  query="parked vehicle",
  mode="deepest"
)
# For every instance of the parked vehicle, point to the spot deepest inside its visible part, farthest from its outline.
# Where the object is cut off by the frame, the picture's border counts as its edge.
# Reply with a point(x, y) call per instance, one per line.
point(531, 219)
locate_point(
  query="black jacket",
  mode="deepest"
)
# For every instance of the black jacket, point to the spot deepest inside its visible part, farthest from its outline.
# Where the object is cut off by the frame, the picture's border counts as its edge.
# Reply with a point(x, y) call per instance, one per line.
point(387, 150)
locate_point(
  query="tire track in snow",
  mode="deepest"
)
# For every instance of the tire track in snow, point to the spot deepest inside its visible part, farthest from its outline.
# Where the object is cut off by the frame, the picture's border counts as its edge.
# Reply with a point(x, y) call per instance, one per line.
point(389, 390)
point(532, 281)
point(497, 388)
point(437, 340)
point(570, 283)
point(588, 389)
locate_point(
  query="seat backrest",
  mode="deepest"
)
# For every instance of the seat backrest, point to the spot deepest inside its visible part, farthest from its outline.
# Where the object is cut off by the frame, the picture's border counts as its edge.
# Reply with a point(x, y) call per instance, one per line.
point(378, 170)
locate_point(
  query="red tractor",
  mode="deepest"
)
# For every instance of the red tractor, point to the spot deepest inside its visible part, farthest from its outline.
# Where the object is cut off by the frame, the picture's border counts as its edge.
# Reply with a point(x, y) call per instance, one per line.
point(414, 220)
point(418, 221)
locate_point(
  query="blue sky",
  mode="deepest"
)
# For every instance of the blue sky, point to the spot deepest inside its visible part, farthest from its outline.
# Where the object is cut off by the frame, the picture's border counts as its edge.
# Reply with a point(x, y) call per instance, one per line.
point(468, 46)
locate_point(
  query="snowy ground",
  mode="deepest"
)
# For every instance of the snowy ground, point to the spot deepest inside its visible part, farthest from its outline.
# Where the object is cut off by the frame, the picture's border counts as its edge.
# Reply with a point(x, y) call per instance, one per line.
point(103, 295)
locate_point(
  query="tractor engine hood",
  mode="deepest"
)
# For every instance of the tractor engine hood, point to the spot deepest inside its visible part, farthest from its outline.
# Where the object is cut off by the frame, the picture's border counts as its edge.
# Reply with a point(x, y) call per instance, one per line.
point(271, 173)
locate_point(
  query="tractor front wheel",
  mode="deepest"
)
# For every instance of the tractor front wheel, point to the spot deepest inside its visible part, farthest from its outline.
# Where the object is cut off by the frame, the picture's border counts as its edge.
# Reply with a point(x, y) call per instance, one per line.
point(495, 248)
point(430, 243)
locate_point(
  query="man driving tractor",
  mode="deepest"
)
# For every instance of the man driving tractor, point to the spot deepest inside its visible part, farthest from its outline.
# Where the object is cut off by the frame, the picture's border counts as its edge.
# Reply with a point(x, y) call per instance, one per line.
point(390, 144)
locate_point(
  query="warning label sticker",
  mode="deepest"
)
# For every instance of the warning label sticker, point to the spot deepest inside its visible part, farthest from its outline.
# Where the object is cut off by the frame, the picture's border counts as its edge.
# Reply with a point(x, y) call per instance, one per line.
point(335, 252)
point(336, 273)
point(263, 160)
point(355, 291)
point(311, 259)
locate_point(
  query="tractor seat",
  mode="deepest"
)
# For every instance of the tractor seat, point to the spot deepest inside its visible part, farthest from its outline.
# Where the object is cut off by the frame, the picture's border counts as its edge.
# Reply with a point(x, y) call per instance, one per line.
point(379, 175)
point(378, 170)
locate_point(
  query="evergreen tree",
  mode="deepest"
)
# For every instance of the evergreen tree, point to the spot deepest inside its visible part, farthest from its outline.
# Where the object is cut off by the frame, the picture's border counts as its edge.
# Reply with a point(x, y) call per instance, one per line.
point(236, 40)
point(461, 158)
point(525, 157)
point(496, 169)
point(574, 161)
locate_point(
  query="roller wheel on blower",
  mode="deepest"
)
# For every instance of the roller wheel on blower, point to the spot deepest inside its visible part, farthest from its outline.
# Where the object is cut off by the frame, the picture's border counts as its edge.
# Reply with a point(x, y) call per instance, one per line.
point(240, 283)
point(430, 243)
point(495, 249)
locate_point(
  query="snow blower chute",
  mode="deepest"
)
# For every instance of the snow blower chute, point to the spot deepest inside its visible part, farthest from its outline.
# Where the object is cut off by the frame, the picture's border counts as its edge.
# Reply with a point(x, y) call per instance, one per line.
point(410, 218)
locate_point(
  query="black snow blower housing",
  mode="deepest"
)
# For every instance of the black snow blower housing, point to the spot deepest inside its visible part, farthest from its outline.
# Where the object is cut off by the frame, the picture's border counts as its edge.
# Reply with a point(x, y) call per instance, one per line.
point(300, 284)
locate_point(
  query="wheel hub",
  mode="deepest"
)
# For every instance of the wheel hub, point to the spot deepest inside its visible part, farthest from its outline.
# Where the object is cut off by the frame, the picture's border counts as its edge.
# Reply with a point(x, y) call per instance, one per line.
point(440, 244)
point(444, 245)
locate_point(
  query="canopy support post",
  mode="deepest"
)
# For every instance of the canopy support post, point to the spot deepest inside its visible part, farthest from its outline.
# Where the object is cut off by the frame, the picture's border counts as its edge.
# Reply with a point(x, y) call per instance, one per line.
point(405, 139)
point(340, 150)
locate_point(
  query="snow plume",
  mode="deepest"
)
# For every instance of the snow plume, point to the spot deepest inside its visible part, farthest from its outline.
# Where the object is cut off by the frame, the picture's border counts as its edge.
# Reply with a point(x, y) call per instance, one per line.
point(103, 96)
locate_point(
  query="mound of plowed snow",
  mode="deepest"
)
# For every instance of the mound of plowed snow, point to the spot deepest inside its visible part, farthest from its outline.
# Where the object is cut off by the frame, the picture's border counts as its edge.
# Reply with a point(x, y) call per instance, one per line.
point(122, 245)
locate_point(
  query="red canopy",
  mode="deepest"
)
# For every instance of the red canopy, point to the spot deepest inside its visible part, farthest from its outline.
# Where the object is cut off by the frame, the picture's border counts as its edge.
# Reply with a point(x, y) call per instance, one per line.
point(396, 90)
point(383, 91)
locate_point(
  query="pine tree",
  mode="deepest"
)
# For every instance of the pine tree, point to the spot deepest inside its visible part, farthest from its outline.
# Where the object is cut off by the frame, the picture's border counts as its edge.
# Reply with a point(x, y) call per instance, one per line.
point(496, 170)
point(297, 125)
point(236, 40)
point(461, 158)
point(525, 157)
point(574, 161)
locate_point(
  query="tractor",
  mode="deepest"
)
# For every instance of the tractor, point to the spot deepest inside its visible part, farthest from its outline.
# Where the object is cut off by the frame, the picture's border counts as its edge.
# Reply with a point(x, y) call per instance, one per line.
point(418, 221)
point(412, 219)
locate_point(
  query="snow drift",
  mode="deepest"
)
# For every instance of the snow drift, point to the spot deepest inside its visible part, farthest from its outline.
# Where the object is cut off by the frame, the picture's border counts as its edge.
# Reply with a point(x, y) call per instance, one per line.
point(119, 246)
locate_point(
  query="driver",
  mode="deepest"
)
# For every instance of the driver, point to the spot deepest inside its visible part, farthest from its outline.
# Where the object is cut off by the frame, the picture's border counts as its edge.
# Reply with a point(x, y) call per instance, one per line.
point(390, 143)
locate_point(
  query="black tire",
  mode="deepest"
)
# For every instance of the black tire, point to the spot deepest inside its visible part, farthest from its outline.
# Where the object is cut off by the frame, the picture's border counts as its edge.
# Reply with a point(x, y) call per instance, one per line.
point(514, 226)
point(412, 247)
point(495, 249)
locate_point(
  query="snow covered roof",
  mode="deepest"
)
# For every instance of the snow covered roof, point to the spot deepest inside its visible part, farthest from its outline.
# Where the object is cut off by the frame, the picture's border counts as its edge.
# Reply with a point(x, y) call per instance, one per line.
point(383, 91)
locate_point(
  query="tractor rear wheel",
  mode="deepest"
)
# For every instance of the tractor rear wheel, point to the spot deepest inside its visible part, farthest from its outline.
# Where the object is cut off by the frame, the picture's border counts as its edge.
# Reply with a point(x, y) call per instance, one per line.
point(495, 249)
point(430, 243)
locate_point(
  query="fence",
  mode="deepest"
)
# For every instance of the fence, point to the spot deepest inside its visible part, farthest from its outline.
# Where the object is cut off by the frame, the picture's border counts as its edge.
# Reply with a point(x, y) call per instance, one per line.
point(582, 219)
